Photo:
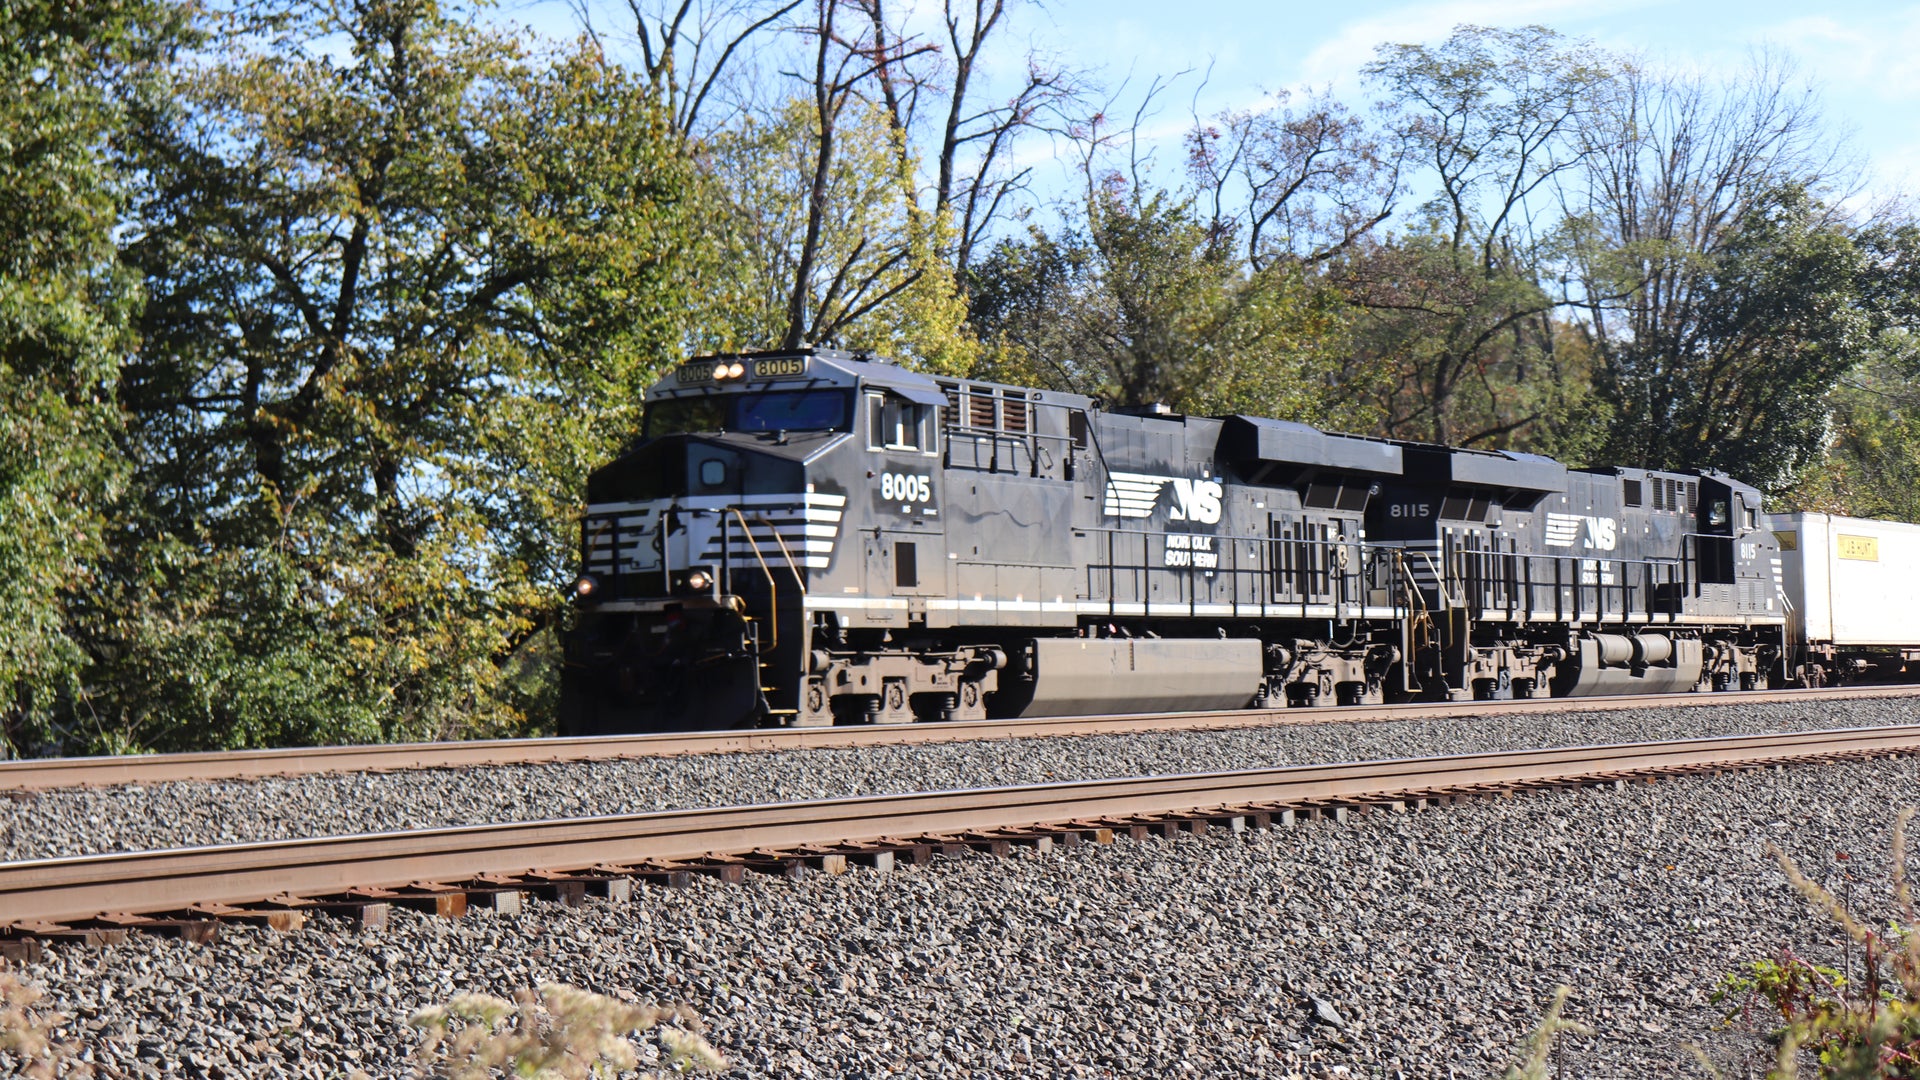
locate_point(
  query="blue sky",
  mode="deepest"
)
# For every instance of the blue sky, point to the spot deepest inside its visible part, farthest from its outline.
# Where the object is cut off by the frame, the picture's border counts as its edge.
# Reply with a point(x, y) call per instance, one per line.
point(1864, 56)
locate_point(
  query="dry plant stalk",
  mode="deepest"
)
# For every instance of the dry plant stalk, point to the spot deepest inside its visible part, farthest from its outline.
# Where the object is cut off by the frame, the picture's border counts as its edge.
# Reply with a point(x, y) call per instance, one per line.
point(1869, 1030)
point(27, 1034)
point(560, 1033)
point(1540, 1042)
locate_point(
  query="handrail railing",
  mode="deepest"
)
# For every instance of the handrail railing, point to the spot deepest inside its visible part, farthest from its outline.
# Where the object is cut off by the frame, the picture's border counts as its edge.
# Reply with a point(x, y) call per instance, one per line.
point(1308, 572)
point(773, 591)
point(1330, 575)
point(1033, 442)
point(792, 567)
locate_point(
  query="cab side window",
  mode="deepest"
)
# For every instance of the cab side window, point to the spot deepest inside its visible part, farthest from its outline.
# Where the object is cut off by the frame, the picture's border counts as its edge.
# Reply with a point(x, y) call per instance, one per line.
point(893, 423)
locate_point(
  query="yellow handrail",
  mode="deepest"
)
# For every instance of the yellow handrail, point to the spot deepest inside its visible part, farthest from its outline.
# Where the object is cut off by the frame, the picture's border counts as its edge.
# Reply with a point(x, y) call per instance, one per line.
point(1420, 622)
point(792, 567)
point(773, 592)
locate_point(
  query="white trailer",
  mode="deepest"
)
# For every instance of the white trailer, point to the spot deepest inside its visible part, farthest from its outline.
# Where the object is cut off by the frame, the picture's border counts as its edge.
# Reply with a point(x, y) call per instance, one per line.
point(1852, 586)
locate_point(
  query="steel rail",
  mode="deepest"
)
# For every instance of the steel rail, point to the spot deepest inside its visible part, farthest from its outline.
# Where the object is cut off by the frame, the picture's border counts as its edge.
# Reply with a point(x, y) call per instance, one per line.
point(40, 774)
point(54, 890)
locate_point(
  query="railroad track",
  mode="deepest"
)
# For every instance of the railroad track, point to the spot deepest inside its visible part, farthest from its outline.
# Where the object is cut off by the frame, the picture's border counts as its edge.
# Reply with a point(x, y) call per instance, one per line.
point(185, 891)
point(39, 774)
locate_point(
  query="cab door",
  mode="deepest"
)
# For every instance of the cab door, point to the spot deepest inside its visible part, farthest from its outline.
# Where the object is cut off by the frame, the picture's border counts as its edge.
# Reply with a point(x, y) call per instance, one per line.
point(1715, 569)
point(906, 553)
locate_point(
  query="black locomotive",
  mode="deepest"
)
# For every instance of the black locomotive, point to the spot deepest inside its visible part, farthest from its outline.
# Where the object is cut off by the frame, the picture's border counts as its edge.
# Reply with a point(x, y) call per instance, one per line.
point(815, 537)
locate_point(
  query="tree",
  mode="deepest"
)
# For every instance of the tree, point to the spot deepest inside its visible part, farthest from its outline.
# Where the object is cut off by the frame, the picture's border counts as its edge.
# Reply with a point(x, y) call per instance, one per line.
point(1710, 352)
point(1742, 384)
point(398, 304)
point(1146, 302)
point(70, 72)
point(875, 279)
point(1303, 186)
point(901, 169)
point(864, 250)
point(689, 49)
point(972, 181)
point(1461, 304)
point(1872, 463)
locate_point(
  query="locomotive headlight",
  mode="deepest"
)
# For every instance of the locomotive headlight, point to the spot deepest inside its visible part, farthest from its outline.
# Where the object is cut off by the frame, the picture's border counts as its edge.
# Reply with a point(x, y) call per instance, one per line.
point(698, 580)
point(586, 586)
point(735, 370)
point(719, 371)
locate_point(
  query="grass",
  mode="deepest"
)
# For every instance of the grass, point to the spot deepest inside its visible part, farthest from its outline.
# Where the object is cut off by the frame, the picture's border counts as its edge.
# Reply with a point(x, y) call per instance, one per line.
point(1865, 1028)
point(559, 1033)
point(29, 1034)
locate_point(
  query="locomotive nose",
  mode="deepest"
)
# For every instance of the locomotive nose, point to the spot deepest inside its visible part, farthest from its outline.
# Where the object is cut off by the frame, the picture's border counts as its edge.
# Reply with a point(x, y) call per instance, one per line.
point(700, 545)
point(677, 466)
point(675, 670)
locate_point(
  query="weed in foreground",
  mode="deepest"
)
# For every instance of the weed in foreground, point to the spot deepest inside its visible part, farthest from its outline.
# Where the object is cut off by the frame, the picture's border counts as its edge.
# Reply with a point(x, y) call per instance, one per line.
point(560, 1033)
point(1541, 1043)
point(1864, 1029)
point(27, 1034)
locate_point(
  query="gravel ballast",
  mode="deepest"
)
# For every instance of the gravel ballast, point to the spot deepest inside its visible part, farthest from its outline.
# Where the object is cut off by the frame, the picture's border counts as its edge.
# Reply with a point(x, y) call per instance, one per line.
point(136, 817)
point(1434, 938)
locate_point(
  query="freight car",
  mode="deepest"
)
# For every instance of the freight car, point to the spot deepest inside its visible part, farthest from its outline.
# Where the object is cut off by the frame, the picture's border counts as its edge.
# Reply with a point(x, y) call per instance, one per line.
point(817, 537)
point(1851, 587)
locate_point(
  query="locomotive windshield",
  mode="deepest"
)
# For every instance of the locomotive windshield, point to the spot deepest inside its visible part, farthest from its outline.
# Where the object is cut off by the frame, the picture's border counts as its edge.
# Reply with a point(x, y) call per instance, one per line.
point(765, 410)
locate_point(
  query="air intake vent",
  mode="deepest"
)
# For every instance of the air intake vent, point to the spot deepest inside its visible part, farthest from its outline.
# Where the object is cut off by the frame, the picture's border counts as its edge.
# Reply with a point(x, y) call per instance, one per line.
point(980, 409)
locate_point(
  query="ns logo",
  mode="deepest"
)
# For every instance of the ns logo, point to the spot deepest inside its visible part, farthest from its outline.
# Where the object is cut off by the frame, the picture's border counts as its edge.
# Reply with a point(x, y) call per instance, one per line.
point(1599, 533)
point(1195, 500)
point(1134, 495)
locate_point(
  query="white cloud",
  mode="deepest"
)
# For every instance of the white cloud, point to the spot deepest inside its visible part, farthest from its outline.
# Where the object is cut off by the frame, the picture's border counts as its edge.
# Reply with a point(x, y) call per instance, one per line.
point(1864, 56)
point(1896, 175)
point(1337, 61)
point(1878, 57)
point(1867, 65)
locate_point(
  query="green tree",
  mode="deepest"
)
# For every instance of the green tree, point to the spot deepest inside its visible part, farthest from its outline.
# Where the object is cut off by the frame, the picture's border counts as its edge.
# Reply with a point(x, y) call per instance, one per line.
point(1459, 311)
point(1026, 299)
point(874, 278)
point(1742, 383)
point(1723, 296)
point(1147, 303)
point(1872, 464)
point(1464, 353)
point(399, 301)
point(68, 73)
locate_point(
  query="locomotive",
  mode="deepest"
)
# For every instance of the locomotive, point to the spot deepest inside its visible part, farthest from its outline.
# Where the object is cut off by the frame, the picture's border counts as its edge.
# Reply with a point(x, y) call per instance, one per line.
point(816, 537)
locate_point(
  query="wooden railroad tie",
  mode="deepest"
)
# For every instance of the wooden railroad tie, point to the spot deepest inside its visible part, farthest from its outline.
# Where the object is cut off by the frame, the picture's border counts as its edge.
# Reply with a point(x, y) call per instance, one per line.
point(368, 908)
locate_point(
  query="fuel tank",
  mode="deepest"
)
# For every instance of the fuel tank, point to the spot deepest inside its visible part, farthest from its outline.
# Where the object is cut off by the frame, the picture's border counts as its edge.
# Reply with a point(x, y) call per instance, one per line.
point(1072, 676)
point(1629, 664)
